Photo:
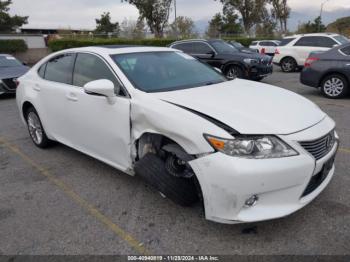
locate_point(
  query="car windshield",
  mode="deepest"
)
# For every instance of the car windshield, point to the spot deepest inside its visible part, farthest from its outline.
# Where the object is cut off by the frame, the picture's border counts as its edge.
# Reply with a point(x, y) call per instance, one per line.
point(223, 47)
point(9, 61)
point(166, 71)
point(237, 44)
point(341, 39)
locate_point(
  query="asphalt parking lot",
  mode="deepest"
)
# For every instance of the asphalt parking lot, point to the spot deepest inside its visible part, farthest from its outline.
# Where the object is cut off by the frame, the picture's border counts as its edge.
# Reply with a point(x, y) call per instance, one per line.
point(59, 201)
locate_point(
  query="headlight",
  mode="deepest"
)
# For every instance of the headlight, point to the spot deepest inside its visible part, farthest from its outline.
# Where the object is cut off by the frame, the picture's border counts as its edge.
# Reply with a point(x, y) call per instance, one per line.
point(258, 147)
point(250, 61)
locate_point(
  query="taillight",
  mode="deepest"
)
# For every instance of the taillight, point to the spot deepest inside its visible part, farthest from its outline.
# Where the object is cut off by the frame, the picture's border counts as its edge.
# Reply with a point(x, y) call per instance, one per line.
point(16, 82)
point(310, 60)
point(277, 52)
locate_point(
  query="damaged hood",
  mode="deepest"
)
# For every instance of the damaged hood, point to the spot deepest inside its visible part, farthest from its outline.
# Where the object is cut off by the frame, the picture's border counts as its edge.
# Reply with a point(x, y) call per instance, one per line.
point(249, 107)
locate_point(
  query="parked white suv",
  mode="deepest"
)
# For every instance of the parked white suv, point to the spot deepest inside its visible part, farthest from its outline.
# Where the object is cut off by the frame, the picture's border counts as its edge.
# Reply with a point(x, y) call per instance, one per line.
point(294, 50)
point(267, 47)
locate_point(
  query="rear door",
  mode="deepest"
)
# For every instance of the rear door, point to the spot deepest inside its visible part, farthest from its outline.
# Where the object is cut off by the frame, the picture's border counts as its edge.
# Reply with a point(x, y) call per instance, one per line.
point(52, 87)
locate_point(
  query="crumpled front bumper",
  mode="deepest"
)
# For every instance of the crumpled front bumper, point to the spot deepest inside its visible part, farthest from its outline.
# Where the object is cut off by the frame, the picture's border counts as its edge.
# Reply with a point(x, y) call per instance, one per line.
point(227, 182)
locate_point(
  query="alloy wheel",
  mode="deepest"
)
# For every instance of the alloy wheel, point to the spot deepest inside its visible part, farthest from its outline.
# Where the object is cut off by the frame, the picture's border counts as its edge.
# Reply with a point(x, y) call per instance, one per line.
point(288, 65)
point(35, 129)
point(333, 87)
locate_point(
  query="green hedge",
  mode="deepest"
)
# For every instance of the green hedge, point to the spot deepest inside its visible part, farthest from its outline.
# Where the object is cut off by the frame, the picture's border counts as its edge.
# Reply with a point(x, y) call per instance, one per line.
point(13, 46)
point(60, 44)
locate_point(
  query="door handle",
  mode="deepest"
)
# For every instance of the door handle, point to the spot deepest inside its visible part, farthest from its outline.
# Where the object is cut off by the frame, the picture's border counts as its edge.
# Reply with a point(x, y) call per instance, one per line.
point(72, 97)
point(37, 88)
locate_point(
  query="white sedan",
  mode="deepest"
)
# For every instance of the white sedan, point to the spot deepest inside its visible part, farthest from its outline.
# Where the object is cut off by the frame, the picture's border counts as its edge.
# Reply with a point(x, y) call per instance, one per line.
point(249, 151)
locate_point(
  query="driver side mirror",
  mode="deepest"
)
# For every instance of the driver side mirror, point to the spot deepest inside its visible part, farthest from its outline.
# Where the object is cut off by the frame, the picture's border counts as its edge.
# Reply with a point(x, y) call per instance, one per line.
point(102, 87)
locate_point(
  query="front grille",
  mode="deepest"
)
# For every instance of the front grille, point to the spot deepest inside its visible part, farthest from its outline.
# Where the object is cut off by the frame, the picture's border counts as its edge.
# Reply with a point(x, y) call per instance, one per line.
point(266, 61)
point(319, 147)
point(9, 84)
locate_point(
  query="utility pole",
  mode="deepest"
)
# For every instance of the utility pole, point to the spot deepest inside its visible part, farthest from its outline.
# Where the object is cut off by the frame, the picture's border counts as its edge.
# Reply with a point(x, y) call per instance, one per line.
point(319, 27)
point(176, 34)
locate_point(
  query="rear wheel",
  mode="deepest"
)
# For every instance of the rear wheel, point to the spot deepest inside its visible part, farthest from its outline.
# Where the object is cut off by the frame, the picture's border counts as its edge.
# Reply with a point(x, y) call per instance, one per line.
point(36, 130)
point(334, 86)
point(288, 64)
point(233, 72)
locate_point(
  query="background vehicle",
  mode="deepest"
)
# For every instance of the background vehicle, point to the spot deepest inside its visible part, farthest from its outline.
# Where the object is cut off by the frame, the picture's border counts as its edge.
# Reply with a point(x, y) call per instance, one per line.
point(329, 70)
point(10, 69)
point(267, 47)
point(184, 128)
point(293, 50)
point(241, 47)
point(231, 61)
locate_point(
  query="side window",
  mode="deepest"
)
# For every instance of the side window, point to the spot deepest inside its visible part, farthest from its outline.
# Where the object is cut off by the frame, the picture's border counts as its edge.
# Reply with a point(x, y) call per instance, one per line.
point(59, 69)
point(89, 68)
point(319, 41)
point(41, 71)
point(326, 42)
point(201, 48)
point(185, 47)
point(305, 41)
point(346, 50)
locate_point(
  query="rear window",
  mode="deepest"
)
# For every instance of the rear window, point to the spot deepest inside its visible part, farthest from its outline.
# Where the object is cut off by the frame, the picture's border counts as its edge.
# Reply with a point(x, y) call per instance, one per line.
point(59, 69)
point(254, 43)
point(185, 47)
point(286, 41)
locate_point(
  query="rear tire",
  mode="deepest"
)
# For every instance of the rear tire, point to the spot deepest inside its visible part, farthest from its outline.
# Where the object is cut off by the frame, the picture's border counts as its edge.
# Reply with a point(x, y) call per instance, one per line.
point(334, 86)
point(289, 65)
point(178, 189)
point(36, 130)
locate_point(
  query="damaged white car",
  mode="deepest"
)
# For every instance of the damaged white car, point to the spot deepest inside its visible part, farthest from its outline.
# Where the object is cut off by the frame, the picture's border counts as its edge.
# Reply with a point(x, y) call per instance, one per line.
point(249, 151)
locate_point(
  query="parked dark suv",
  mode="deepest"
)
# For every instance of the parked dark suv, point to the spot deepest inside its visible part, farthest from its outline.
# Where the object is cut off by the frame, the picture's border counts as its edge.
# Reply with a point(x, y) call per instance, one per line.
point(329, 70)
point(231, 61)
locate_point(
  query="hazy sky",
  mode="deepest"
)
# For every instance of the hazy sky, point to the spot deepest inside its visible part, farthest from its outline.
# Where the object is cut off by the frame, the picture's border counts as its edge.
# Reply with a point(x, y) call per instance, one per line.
point(82, 13)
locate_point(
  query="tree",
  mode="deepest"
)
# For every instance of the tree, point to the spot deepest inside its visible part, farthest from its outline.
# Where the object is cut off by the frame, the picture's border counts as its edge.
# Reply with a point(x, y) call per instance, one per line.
point(105, 25)
point(183, 27)
point(281, 12)
point(215, 26)
point(250, 11)
point(267, 26)
point(340, 26)
point(227, 24)
point(155, 12)
point(140, 29)
point(10, 23)
point(232, 25)
point(312, 27)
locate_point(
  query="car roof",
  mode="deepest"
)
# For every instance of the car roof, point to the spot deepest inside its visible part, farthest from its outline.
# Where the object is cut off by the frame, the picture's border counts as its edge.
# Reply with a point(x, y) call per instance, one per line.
point(312, 34)
point(6, 55)
point(118, 49)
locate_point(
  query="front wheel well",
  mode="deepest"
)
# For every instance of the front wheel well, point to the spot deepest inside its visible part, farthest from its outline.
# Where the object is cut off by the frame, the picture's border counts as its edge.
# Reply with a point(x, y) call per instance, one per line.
point(164, 149)
point(227, 65)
